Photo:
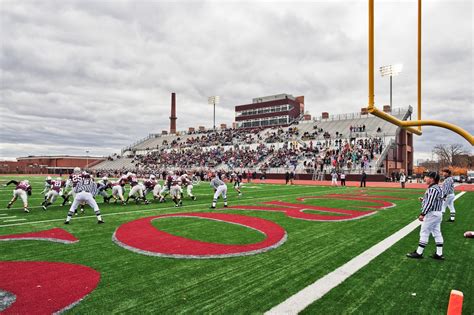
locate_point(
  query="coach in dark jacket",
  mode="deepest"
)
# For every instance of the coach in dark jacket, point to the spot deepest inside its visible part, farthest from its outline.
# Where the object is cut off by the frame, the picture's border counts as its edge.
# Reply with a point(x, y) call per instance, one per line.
point(363, 179)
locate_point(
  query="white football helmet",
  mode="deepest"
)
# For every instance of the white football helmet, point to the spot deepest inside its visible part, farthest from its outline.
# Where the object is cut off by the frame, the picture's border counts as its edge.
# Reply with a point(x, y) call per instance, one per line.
point(105, 178)
point(77, 170)
point(26, 181)
point(152, 176)
point(58, 178)
point(129, 174)
point(48, 178)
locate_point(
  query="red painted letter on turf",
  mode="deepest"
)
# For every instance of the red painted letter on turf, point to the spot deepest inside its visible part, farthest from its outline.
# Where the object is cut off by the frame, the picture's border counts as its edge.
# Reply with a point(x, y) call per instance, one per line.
point(45, 287)
point(294, 210)
point(142, 237)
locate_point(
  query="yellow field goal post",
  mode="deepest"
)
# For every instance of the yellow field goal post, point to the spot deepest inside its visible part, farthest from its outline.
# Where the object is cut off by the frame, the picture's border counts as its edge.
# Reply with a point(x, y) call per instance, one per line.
point(381, 114)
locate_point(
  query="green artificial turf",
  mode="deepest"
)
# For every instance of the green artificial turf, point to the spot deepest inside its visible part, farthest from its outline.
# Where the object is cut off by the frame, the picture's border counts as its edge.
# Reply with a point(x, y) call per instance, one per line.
point(134, 283)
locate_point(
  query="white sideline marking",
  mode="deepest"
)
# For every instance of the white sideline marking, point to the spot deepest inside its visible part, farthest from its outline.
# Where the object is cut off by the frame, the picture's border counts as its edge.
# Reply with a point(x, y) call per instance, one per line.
point(3, 213)
point(318, 289)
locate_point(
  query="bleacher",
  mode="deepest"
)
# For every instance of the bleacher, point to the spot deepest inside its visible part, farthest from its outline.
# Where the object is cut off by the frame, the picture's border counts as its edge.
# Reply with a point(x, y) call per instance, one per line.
point(116, 164)
point(337, 127)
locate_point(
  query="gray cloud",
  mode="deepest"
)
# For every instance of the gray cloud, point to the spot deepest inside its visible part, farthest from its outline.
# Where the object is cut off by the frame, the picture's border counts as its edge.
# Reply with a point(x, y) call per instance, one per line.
point(98, 74)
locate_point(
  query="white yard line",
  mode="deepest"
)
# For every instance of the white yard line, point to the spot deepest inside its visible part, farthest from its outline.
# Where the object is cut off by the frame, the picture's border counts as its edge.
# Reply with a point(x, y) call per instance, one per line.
point(15, 220)
point(318, 289)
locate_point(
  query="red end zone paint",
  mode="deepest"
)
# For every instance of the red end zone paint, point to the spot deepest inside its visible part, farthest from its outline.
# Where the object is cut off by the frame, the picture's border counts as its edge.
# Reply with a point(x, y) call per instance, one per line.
point(53, 235)
point(45, 287)
point(142, 237)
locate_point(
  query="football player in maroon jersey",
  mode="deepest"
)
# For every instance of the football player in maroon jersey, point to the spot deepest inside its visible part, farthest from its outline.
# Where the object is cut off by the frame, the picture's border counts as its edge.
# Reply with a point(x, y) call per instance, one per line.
point(22, 190)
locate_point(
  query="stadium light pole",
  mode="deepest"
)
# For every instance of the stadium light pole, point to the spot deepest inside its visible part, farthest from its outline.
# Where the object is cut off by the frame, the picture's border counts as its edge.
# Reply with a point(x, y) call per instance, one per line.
point(391, 70)
point(213, 100)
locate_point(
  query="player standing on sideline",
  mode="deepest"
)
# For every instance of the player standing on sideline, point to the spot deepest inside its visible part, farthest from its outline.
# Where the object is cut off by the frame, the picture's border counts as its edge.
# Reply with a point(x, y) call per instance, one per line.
point(363, 179)
point(334, 178)
point(292, 177)
point(403, 179)
point(85, 190)
point(343, 178)
point(56, 186)
point(220, 188)
point(237, 183)
point(431, 217)
point(448, 194)
point(22, 190)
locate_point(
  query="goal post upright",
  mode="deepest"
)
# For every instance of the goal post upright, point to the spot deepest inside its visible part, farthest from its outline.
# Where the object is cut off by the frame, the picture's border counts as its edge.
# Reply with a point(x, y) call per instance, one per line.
point(381, 114)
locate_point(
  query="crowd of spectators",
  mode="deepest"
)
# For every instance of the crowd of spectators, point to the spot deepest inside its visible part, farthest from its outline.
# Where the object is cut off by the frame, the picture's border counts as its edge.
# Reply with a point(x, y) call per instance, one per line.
point(196, 157)
point(230, 149)
point(343, 154)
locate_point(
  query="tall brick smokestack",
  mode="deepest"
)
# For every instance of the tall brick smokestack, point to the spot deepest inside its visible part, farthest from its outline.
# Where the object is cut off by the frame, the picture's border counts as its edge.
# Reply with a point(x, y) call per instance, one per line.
point(173, 114)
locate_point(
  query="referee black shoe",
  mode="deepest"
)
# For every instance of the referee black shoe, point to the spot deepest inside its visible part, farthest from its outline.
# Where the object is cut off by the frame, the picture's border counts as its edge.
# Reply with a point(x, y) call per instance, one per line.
point(100, 222)
point(450, 220)
point(437, 257)
point(415, 255)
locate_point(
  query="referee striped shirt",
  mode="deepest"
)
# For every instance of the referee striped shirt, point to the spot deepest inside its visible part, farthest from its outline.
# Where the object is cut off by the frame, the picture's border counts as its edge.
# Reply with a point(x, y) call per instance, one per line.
point(448, 186)
point(86, 184)
point(433, 199)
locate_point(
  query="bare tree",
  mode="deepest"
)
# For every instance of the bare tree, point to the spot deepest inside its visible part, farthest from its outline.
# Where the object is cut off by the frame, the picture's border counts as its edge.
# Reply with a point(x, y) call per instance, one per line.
point(446, 153)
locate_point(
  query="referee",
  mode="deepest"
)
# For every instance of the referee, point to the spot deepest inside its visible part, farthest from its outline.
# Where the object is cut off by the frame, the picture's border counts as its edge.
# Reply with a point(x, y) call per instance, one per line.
point(448, 194)
point(85, 191)
point(431, 217)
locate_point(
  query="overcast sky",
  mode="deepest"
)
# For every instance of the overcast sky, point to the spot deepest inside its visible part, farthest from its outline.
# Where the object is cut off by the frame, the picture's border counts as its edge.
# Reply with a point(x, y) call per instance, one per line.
point(97, 75)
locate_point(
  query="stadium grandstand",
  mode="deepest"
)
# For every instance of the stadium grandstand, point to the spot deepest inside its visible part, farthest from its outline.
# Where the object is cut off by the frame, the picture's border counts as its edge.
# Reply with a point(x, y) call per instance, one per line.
point(351, 143)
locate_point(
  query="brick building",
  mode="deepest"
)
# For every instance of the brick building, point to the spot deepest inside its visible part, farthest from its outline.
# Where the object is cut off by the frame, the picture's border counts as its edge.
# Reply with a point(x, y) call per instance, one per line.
point(269, 111)
point(47, 164)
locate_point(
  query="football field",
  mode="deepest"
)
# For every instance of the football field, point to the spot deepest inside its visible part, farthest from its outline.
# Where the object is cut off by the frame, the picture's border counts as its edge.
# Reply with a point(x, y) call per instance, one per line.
point(270, 244)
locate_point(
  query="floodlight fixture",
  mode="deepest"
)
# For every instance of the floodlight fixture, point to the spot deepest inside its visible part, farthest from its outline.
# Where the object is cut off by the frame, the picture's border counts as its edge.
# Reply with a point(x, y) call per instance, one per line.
point(391, 70)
